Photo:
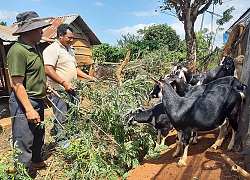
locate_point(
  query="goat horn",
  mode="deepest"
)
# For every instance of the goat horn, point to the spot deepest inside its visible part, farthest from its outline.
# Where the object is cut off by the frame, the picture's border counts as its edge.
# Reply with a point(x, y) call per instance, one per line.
point(156, 81)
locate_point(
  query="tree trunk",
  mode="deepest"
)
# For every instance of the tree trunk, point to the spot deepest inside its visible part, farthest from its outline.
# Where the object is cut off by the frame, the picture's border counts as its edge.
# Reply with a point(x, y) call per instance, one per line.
point(191, 45)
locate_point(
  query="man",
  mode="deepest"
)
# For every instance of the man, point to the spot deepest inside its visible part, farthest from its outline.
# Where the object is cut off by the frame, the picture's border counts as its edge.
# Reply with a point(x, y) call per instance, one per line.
point(27, 73)
point(61, 69)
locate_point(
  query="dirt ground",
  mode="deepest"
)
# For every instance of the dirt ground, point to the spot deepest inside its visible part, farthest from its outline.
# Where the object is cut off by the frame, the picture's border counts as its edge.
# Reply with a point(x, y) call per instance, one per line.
point(203, 163)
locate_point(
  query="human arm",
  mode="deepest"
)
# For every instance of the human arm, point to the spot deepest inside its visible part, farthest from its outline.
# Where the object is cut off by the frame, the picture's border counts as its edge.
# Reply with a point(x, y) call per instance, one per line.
point(50, 71)
point(82, 74)
point(17, 85)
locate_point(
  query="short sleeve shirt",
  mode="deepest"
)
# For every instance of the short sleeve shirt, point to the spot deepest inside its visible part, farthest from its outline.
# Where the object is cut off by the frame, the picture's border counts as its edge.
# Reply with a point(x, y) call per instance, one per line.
point(63, 60)
point(26, 61)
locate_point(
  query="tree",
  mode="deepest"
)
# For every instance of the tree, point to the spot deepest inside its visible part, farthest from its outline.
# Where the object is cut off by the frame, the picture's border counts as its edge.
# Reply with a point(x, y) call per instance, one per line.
point(187, 12)
point(3, 23)
point(163, 34)
point(127, 39)
point(107, 53)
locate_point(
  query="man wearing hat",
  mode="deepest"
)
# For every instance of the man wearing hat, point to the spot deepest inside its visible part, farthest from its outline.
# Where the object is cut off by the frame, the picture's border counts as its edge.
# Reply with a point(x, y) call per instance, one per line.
point(26, 69)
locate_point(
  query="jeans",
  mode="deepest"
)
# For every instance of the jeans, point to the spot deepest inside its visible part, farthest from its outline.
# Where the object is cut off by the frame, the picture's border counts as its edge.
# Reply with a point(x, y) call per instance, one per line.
point(59, 111)
point(28, 136)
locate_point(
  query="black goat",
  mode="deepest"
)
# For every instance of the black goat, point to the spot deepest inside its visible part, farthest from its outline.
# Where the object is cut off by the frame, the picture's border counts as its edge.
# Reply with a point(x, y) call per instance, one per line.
point(186, 90)
point(203, 113)
point(226, 68)
point(154, 115)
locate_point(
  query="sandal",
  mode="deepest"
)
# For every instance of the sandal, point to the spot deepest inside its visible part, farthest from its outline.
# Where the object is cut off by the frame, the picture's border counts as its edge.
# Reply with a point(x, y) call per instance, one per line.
point(40, 165)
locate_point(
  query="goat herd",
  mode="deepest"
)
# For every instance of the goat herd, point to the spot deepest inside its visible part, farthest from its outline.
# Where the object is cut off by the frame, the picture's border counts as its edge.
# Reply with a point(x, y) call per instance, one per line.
point(194, 103)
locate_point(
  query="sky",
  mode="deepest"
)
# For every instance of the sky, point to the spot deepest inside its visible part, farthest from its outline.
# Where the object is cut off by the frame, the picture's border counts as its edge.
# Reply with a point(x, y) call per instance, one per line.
point(110, 19)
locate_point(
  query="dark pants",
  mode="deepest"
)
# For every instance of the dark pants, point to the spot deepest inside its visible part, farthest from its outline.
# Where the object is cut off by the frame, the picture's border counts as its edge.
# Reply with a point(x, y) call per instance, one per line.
point(60, 110)
point(28, 136)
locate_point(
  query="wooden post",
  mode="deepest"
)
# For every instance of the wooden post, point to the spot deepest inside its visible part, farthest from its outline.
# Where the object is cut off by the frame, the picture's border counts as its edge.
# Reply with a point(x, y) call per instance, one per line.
point(6, 71)
point(240, 40)
point(118, 72)
point(235, 167)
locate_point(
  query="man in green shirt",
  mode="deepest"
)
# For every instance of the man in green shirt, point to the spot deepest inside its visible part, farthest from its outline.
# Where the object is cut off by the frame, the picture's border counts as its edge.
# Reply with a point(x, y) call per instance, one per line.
point(26, 69)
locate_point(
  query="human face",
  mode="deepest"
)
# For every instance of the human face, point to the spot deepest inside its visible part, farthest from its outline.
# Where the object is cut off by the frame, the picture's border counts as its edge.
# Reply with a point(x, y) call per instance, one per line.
point(67, 39)
point(34, 36)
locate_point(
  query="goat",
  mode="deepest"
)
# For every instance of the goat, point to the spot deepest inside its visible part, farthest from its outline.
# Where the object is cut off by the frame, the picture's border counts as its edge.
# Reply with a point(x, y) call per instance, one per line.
point(226, 68)
point(189, 114)
point(186, 90)
point(154, 115)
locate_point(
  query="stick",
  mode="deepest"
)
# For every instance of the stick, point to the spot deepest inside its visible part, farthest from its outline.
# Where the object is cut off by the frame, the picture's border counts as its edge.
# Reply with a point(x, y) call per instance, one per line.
point(118, 72)
point(235, 167)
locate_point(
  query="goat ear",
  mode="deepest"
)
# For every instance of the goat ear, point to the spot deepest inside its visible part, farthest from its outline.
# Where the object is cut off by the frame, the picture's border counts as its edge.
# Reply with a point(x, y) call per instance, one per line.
point(129, 112)
point(139, 109)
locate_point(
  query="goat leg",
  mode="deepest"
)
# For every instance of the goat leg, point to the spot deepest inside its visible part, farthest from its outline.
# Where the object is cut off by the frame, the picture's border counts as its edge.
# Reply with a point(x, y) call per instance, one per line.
point(222, 134)
point(182, 161)
point(231, 143)
point(178, 144)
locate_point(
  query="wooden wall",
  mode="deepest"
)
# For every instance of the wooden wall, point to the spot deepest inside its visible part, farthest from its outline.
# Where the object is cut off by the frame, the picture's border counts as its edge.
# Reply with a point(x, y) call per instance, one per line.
point(5, 82)
point(82, 51)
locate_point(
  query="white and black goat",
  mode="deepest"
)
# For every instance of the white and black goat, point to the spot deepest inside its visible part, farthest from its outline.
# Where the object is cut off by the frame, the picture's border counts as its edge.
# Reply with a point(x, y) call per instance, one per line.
point(226, 68)
point(154, 115)
point(198, 114)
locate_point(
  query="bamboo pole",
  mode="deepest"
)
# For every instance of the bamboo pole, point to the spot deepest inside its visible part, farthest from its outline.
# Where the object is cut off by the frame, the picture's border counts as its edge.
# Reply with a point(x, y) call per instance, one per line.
point(235, 167)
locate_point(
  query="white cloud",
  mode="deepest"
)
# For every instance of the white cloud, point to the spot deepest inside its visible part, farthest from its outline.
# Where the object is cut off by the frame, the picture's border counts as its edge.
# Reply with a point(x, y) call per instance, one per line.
point(130, 30)
point(179, 28)
point(145, 13)
point(7, 14)
point(99, 4)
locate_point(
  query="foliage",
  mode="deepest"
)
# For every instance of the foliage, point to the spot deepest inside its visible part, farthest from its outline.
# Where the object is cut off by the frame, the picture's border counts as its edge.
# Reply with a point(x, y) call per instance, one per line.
point(226, 17)
point(148, 40)
point(163, 34)
point(10, 172)
point(107, 53)
point(220, 22)
point(106, 148)
point(127, 39)
point(160, 61)
point(3, 23)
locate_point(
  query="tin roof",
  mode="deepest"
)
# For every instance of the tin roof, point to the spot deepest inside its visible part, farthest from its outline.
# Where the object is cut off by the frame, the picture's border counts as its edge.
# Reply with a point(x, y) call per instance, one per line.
point(6, 34)
point(73, 19)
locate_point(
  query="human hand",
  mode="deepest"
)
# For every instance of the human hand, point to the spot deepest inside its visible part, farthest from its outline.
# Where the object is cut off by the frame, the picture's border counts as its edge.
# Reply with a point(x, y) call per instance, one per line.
point(68, 86)
point(33, 116)
point(48, 87)
point(93, 79)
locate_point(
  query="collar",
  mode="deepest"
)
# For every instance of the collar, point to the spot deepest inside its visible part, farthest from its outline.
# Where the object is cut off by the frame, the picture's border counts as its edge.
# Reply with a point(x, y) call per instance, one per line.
point(22, 43)
point(60, 44)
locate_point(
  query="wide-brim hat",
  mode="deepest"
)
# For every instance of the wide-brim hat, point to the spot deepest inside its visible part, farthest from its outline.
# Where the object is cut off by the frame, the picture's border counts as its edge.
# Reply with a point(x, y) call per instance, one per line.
point(28, 21)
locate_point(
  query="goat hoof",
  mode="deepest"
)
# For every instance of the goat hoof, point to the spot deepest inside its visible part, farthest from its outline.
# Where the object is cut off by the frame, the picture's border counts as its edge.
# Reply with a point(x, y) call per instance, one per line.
point(181, 163)
point(174, 154)
point(193, 142)
point(214, 146)
point(229, 148)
